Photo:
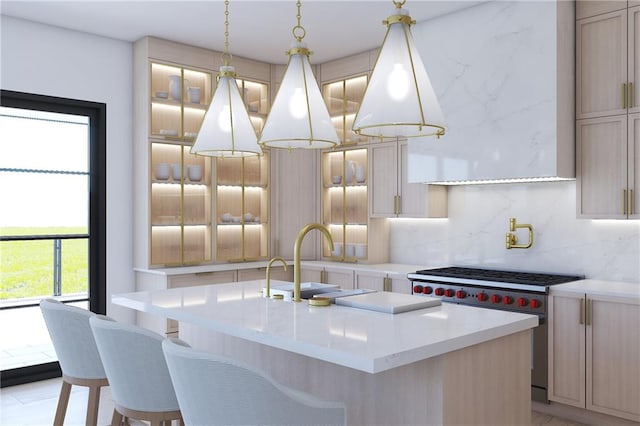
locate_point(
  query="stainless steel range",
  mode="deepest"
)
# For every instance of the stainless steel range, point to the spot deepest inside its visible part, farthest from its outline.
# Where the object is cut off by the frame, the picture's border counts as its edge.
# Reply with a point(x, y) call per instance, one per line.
point(505, 290)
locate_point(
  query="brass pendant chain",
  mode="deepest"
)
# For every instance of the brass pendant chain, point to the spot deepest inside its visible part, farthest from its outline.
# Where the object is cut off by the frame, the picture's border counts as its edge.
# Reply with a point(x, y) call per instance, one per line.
point(226, 56)
point(301, 31)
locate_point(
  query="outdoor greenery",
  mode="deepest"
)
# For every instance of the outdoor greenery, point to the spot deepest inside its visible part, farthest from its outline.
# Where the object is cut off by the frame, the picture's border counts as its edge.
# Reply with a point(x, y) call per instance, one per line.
point(26, 267)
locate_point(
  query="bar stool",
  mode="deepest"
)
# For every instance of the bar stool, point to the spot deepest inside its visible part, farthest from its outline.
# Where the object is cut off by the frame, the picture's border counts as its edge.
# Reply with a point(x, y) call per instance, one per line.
point(77, 353)
point(213, 390)
point(137, 371)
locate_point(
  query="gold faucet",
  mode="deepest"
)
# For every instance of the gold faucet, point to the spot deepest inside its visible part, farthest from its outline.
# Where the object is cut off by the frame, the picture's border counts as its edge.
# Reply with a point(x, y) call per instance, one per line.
point(284, 262)
point(512, 239)
point(296, 254)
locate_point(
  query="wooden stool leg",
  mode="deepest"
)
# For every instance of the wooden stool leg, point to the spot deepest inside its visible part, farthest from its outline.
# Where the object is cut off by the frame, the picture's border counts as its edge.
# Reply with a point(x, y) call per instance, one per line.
point(116, 420)
point(63, 401)
point(92, 406)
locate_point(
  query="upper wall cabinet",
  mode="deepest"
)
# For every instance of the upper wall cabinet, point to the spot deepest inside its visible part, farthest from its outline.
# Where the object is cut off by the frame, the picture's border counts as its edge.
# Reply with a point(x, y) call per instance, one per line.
point(503, 73)
point(606, 64)
point(608, 112)
point(176, 218)
point(391, 193)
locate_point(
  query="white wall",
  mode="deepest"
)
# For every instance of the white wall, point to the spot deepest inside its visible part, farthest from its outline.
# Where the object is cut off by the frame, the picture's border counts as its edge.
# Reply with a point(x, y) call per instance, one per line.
point(474, 234)
point(52, 61)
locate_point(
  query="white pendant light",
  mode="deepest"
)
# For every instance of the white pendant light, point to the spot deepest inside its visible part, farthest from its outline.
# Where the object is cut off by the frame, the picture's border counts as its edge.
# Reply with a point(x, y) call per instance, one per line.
point(226, 130)
point(399, 99)
point(299, 116)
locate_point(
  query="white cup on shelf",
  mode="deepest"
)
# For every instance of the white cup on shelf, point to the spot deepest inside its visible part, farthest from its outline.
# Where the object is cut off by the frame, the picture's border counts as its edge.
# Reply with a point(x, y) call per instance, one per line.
point(194, 172)
point(177, 172)
point(337, 249)
point(162, 171)
point(194, 95)
point(360, 250)
point(350, 250)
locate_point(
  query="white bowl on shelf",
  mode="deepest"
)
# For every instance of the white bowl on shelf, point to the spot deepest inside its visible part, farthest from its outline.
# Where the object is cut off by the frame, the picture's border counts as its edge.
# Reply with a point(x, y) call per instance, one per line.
point(162, 171)
point(162, 95)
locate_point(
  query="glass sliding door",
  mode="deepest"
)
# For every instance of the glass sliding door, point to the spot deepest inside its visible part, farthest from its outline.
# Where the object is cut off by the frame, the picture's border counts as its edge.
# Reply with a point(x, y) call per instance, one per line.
point(52, 227)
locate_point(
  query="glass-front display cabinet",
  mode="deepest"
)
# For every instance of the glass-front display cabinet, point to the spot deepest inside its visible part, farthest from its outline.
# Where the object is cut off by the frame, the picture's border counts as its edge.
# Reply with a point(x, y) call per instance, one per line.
point(181, 203)
point(345, 203)
point(242, 208)
point(343, 98)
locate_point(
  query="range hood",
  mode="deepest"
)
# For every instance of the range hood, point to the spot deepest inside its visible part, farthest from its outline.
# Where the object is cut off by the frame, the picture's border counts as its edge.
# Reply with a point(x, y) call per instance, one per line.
point(504, 75)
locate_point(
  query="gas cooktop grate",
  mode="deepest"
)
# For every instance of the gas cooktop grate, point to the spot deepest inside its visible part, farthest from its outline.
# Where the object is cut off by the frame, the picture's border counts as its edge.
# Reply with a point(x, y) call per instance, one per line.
point(529, 278)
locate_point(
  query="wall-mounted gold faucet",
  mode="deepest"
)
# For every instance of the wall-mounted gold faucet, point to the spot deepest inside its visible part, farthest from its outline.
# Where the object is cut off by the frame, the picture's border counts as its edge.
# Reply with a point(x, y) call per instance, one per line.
point(512, 239)
point(296, 254)
point(279, 259)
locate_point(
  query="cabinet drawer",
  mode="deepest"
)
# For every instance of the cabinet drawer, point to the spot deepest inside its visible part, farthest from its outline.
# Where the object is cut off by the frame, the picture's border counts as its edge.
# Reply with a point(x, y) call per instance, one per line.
point(203, 278)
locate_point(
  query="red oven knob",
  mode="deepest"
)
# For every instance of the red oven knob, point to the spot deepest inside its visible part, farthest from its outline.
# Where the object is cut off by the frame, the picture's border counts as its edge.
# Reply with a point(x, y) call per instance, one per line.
point(427, 290)
point(461, 294)
point(535, 303)
point(496, 298)
point(522, 301)
point(417, 289)
point(507, 300)
point(439, 291)
point(483, 297)
point(449, 293)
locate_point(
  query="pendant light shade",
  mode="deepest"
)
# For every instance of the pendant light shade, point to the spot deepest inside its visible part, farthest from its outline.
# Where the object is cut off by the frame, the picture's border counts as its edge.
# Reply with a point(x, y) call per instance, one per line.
point(299, 116)
point(399, 99)
point(226, 130)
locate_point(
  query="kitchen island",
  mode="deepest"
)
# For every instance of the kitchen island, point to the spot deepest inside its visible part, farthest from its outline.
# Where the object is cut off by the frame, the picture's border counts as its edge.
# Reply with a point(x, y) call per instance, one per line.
point(445, 365)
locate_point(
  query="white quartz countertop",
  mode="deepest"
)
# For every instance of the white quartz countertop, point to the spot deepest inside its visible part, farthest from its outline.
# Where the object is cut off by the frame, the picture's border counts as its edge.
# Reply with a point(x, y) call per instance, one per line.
point(387, 268)
point(600, 288)
point(355, 338)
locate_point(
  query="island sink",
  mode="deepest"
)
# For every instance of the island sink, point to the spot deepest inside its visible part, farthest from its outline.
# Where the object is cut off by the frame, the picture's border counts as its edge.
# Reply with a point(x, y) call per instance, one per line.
point(307, 290)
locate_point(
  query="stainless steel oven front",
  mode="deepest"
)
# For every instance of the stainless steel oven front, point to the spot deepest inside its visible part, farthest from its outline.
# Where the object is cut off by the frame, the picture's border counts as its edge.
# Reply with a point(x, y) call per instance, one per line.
point(504, 290)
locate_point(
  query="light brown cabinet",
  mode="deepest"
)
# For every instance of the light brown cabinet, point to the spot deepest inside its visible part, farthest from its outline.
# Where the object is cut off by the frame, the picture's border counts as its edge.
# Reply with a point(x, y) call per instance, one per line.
point(594, 353)
point(607, 109)
point(608, 63)
point(296, 202)
point(345, 192)
point(382, 281)
point(242, 209)
point(328, 275)
point(607, 163)
point(177, 210)
point(343, 98)
point(180, 183)
point(391, 193)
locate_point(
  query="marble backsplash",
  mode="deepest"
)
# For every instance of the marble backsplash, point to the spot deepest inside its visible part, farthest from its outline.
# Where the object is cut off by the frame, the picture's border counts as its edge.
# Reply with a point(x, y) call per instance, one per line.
point(474, 234)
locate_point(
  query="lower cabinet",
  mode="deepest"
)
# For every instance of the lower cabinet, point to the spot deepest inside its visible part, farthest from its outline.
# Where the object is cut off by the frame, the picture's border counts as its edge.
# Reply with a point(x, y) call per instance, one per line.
point(327, 275)
point(594, 353)
point(277, 273)
point(382, 281)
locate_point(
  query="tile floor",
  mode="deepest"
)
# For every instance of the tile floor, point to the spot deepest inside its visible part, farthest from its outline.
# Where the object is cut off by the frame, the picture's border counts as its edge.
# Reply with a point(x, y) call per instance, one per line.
point(35, 404)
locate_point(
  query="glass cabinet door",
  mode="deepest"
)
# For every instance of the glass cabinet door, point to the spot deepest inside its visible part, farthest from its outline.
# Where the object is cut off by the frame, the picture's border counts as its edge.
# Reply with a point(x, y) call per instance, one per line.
point(343, 99)
point(242, 191)
point(180, 182)
point(179, 99)
point(180, 206)
point(345, 202)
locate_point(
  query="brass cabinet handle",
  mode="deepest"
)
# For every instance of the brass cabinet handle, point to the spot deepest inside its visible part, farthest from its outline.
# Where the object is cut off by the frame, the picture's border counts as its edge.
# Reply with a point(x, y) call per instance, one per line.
point(386, 284)
point(396, 204)
point(630, 94)
point(581, 317)
point(624, 95)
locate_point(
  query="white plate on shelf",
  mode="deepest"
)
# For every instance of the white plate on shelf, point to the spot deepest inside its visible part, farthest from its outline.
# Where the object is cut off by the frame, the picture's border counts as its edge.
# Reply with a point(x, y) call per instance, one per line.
point(168, 132)
point(162, 95)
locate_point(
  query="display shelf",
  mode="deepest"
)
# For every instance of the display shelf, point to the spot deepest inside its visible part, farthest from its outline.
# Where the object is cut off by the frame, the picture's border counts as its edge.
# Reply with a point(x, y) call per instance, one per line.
point(242, 213)
point(345, 204)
